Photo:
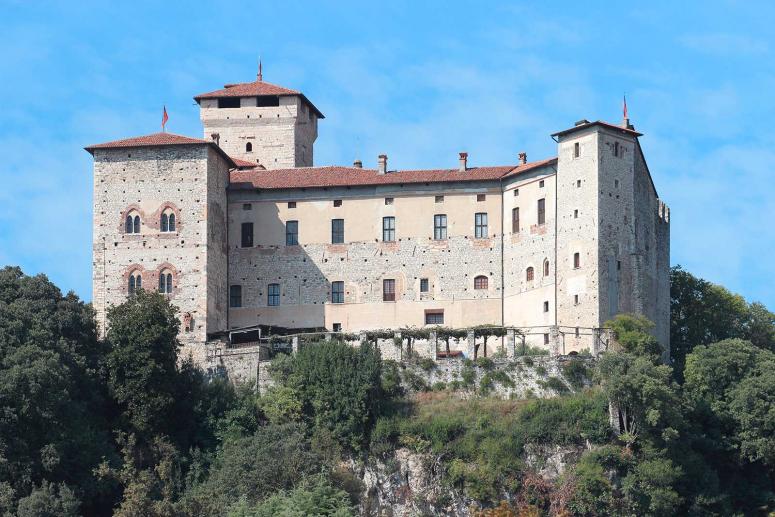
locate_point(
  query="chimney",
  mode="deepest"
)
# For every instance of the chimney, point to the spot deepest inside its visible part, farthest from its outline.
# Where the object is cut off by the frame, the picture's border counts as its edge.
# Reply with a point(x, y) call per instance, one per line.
point(522, 158)
point(358, 164)
point(382, 164)
point(463, 162)
point(216, 138)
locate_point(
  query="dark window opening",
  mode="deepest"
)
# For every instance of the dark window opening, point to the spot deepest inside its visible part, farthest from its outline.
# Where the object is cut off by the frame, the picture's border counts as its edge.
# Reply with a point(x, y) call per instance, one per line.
point(247, 235)
point(515, 220)
point(337, 292)
point(480, 282)
point(165, 283)
point(337, 327)
point(546, 268)
point(235, 296)
point(389, 229)
point(576, 150)
point(529, 274)
point(273, 296)
point(388, 290)
point(434, 318)
point(337, 231)
point(440, 226)
point(480, 225)
point(267, 101)
point(481, 197)
point(546, 339)
point(291, 204)
point(337, 202)
point(616, 148)
point(546, 306)
point(135, 282)
point(576, 260)
point(439, 199)
point(249, 147)
point(292, 233)
point(423, 285)
point(247, 206)
point(575, 299)
point(388, 200)
point(541, 211)
point(228, 102)
point(541, 184)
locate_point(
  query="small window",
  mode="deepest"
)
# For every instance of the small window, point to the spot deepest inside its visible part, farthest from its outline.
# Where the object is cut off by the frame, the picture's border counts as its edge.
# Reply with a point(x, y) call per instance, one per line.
point(481, 197)
point(618, 265)
point(247, 206)
point(388, 200)
point(165, 282)
point(616, 148)
point(291, 204)
point(546, 339)
point(337, 327)
point(132, 224)
point(546, 306)
point(575, 299)
point(515, 220)
point(247, 235)
point(439, 199)
point(480, 225)
point(164, 223)
point(541, 184)
point(292, 233)
point(423, 285)
point(529, 274)
point(388, 290)
point(128, 228)
point(434, 318)
point(389, 229)
point(616, 183)
point(578, 332)
point(576, 150)
point(546, 267)
point(273, 295)
point(576, 214)
point(541, 211)
point(337, 292)
point(249, 147)
point(167, 223)
point(235, 296)
point(135, 282)
point(576, 260)
point(337, 202)
point(516, 192)
point(480, 282)
point(337, 231)
point(578, 183)
point(440, 226)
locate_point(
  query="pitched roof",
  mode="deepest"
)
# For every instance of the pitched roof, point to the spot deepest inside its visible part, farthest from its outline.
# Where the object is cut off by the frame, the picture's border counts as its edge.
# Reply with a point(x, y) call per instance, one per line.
point(158, 140)
point(244, 164)
point(254, 89)
point(335, 176)
point(607, 125)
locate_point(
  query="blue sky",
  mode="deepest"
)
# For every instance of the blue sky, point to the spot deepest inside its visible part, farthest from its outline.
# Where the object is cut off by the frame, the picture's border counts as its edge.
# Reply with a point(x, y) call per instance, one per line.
point(418, 81)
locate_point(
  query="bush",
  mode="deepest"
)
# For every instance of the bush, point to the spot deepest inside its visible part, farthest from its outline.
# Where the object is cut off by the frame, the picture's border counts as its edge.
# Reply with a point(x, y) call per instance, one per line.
point(541, 370)
point(576, 373)
point(485, 363)
point(427, 364)
point(566, 420)
point(556, 384)
point(468, 374)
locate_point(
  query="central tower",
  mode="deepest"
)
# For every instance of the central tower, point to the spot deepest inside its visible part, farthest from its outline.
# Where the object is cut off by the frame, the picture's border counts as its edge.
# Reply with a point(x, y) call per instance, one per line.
point(261, 123)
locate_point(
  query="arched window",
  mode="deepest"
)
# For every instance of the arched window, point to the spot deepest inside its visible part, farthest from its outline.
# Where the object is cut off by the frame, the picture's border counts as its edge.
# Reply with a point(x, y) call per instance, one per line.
point(529, 274)
point(136, 224)
point(546, 267)
point(135, 282)
point(167, 223)
point(480, 282)
point(165, 282)
point(132, 223)
point(128, 224)
point(249, 147)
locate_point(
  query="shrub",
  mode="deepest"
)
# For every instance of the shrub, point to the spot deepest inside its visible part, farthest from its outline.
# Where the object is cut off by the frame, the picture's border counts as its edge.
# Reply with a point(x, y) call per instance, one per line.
point(485, 363)
point(576, 373)
point(541, 370)
point(485, 384)
point(556, 384)
point(427, 364)
point(439, 386)
point(501, 378)
point(468, 374)
point(566, 420)
point(528, 361)
point(414, 382)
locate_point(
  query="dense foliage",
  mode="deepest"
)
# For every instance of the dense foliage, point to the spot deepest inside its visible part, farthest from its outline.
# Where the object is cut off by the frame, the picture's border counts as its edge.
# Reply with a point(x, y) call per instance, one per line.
point(123, 426)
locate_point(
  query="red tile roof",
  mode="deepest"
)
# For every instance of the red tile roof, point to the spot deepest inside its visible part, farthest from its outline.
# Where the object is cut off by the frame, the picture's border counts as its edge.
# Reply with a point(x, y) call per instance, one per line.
point(245, 164)
point(254, 89)
point(335, 176)
point(598, 123)
point(157, 140)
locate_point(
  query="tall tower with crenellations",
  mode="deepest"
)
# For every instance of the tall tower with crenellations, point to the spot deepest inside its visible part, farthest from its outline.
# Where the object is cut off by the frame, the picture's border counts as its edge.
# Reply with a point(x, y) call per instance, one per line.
point(261, 123)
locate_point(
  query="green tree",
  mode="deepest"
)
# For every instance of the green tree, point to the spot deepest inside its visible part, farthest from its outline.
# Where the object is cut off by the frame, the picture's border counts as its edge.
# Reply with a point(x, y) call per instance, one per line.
point(633, 335)
point(316, 498)
point(49, 500)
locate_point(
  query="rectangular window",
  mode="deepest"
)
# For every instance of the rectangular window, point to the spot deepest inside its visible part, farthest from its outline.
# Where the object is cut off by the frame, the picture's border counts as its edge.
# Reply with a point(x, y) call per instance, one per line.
point(480, 225)
point(388, 200)
point(337, 231)
point(576, 150)
point(337, 202)
point(541, 211)
point(481, 197)
point(546, 306)
point(541, 184)
point(388, 290)
point(291, 204)
point(292, 233)
point(337, 292)
point(516, 192)
point(247, 206)
point(440, 226)
point(273, 295)
point(575, 214)
point(576, 260)
point(337, 327)
point(247, 235)
point(575, 299)
point(423, 285)
point(546, 339)
point(515, 220)
point(434, 318)
point(578, 332)
point(439, 199)
point(228, 102)
point(578, 183)
point(235, 296)
point(389, 229)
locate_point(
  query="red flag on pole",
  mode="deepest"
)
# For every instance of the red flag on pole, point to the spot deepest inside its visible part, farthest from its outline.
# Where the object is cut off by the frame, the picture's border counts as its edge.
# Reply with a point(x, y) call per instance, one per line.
point(164, 118)
point(624, 107)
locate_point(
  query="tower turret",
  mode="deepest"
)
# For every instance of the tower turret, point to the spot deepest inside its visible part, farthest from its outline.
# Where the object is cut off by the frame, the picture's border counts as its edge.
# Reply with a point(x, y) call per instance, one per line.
point(262, 123)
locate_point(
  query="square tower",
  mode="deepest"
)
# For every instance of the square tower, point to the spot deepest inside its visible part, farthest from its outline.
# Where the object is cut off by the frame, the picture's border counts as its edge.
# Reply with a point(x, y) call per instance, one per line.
point(261, 123)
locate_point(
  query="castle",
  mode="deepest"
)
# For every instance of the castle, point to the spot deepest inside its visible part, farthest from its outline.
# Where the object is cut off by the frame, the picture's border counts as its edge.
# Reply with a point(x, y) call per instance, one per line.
point(243, 232)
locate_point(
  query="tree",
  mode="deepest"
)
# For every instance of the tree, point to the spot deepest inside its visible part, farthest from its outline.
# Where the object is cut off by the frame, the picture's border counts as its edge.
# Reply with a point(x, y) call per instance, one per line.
point(633, 335)
point(752, 406)
point(316, 498)
point(142, 362)
point(49, 500)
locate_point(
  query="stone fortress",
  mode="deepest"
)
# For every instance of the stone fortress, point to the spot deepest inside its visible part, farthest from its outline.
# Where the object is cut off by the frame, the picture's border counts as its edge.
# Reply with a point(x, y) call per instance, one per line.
point(244, 233)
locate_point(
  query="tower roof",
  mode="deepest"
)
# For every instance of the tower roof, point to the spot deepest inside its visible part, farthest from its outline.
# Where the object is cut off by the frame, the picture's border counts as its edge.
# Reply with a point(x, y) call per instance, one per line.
point(158, 140)
point(584, 124)
point(255, 89)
